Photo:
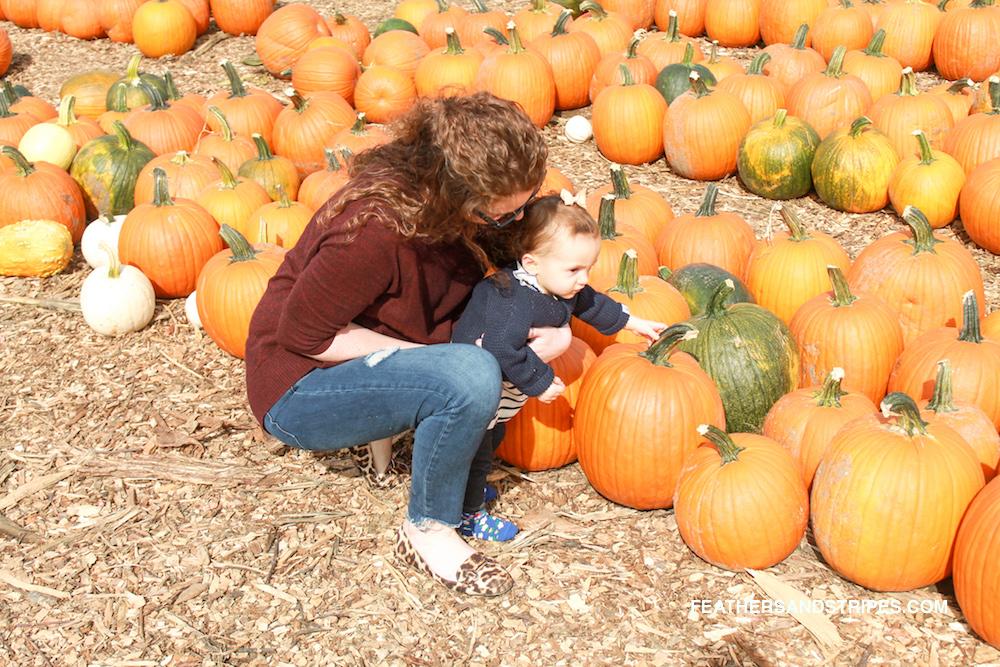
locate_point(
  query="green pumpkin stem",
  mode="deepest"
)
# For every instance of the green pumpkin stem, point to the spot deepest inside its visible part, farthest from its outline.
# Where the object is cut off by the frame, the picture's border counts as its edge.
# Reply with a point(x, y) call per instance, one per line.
point(942, 400)
point(161, 193)
point(5, 111)
point(673, 27)
point(829, 395)
point(717, 305)
point(606, 218)
point(835, 68)
point(846, 4)
point(799, 40)
point(977, 4)
point(923, 234)
point(688, 58)
point(442, 6)
point(172, 92)
point(67, 116)
point(842, 295)
point(626, 75)
point(971, 327)
point(346, 154)
point(620, 182)
point(263, 150)
point(594, 8)
point(515, 38)
point(906, 411)
point(283, 200)
point(697, 85)
point(132, 70)
point(21, 163)
point(633, 44)
point(942, 6)
point(299, 103)
point(156, 101)
point(797, 230)
point(454, 47)
point(479, 6)
point(360, 126)
point(8, 94)
point(114, 266)
point(118, 96)
point(242, 250)
point(560, 27)
point(907, 84)
point(874, 47)
point(779, 118)
point(926, 154)
point(728, 450)
point(713, 53)
point(125, 139)
point(756, 66)
point(664, 273)
point(959, 86)
point(339, 18)
point(236, 87)
point(628, 275)
point(994, 88)
point(229, 181)
point(859, 125)
point(225, 127)
point(659, 352)
point(332, 163)
point(707, 208)
point(497, 36)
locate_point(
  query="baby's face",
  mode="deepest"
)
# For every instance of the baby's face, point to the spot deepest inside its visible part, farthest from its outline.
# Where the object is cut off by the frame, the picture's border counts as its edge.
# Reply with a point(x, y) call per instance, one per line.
point(563, 266)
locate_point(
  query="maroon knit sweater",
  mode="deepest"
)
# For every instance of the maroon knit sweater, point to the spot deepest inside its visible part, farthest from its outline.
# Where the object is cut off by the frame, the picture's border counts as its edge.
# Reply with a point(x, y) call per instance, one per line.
point(407, 289)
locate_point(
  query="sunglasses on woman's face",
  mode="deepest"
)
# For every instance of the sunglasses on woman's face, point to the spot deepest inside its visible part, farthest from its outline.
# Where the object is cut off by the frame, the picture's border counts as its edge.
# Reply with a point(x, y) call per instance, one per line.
point(502, 221)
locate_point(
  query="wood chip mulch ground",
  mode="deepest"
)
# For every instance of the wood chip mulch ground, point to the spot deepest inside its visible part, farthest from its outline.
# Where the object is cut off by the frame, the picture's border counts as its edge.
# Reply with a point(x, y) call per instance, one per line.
point(145, 519)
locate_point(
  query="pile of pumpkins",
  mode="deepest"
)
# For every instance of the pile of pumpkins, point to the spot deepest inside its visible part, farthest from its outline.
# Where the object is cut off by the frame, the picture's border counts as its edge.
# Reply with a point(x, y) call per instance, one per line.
point(790, 382)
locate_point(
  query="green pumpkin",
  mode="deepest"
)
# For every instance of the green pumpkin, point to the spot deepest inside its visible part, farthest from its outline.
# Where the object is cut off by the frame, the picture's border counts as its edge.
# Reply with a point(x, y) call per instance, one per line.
point(135, 95)
point(750, 354)
point(13, 92)
point(776, 155)
point(852, 168)
point(393, 24)
point(106, 169)
point(699, 282)
point(675, 80)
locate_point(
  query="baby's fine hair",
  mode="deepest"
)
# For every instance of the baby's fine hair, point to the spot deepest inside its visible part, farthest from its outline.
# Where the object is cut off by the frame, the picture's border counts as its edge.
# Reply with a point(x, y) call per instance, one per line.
point(543, 219)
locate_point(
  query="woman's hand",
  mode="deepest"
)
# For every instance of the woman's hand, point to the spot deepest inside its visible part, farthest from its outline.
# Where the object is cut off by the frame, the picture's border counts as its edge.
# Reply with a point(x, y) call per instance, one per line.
point(549, 342)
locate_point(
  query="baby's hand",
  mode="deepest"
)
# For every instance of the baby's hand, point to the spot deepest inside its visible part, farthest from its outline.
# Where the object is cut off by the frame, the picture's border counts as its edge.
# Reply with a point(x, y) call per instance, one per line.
point(554, 391)
point(647, 328)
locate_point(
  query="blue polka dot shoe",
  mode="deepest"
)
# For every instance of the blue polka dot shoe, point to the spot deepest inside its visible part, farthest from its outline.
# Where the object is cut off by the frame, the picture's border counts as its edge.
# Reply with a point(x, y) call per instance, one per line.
point(490, 493)
point(484, 526)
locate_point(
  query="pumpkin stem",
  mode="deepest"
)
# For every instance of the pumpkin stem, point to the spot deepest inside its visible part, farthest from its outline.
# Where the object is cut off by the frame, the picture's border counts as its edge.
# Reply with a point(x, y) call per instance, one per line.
point(673, 27)
point(242, 250)
point(799, 40)
point(442, 6)
point(798, 231)
point(132, 70)
point(906, 411)
point(67, 116)
point(21, 163)
point(5, 111)
point(560, 27)
point(942, 6)
point(707, 208)
point(976, 4)
point(454, 47)
point(283, 200)
point(717, 305)
point(633, 44)
point(835, 68)
point(942, 400)
point(497, 36)
point(994, 88)
point(829, 395)
point(628, 275)
point(299, 103)
point(874, 47)
point(713, 53)
point(229, 181)
point(263, 150)
point(172, 92)
point(606, 218)
point(515, 39)
point(125, 139)
point(346, 153)
point(332, 163)
point(756, 66)
point(926, 154)
point(592, 7)
point(626, 75)
point(688, 58)
point(360, 125)
point(697, 85)
point(659, 352)
point(339, 18)
point(479, 6)
point(779, 118)
point(842, 295)
point(859, 125)
point(117, 99)
point(728, 450)
point(114, 266)
point(923, 234)
point(156, 101)
point(664, 273)
point(959, 86)
point(908, 84)
point(161, 193)
point(227, 129)
point(620, 182)
point(971, 331)
point(236, 87)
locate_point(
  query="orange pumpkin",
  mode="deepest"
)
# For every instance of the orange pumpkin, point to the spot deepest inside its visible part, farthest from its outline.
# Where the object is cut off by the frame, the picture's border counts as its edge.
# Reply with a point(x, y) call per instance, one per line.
point(991, 325)
point(829, 100)
point(843, 23)
point(857, 332)
point(636, 417)
point(721, 67)
point(609, 69)
point(976, 576)
point(733, 22)
point(248, 110)
point(186, 175)
point(521, 75)
point(163, 127)
point(285, 35)
point(231, 285)
point(555, 182)
point(958, 95)
point(861, 533)
point(448, 71)
point(967, 419)
point(328, 69)
point(6, 52)
point(383, 92)
point(319, 186)
point(976, 139)
point(162, 27)
point(792, 62)
point(540, 436)
point(536, 20)
point(780, 19)
point(233, 201)
point(276, 173)
point(312, 122)
point(965, 42)
point(668, 47)
point(13, 125)
point(400, 49)
point(573, 57)
point(721, 239)
point(741, 485)
point(240, 17)
point(978, 203)
point(81, 129)
point(351, 30)
point(931, 181)
point(470, 26)
point(910, 26)
point(880, 73)
point(616, 239)
point(805, 420)
point(432, 28)
point(761, 95)
point(611, 31)
point(232, 150)
point(690, 15)
point(40, 190)
point(628, 121)
point(898, 115)
point(281, 222)
point(635, 205)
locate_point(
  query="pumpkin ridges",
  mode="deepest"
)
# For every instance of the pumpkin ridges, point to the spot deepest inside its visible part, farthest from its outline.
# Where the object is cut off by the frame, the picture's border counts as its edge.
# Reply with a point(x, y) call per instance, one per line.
point(33, 191)
point(975, 572)
point(898, 115)
point(628, 121)
point(965, 42)
point(931, 181)
point(776, 156)
point(852, 168)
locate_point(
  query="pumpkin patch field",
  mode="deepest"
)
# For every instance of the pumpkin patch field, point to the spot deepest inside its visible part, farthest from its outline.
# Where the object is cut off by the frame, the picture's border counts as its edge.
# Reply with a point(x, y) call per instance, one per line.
point(800, 471)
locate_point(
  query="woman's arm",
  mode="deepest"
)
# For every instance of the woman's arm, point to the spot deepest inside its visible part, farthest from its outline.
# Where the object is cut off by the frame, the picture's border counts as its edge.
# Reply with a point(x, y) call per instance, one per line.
point(549, 342)
point(353, 341)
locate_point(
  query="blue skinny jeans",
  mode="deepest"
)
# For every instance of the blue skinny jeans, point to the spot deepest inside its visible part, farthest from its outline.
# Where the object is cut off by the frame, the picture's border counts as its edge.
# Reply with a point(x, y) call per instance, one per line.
point(447, 393)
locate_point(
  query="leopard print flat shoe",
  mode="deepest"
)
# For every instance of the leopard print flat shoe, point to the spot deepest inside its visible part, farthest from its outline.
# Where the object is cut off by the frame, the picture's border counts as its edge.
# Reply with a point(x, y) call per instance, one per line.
point(365, 462)
point(478, 575)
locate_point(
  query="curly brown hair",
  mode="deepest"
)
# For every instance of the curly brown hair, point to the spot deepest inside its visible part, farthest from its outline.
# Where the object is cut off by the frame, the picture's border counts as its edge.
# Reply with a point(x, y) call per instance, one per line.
point(448, 157)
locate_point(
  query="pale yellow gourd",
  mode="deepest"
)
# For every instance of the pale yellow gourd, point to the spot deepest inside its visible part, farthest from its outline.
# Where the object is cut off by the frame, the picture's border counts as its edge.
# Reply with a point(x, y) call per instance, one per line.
point(117, 299)
point(36, 248)
point(49, 142)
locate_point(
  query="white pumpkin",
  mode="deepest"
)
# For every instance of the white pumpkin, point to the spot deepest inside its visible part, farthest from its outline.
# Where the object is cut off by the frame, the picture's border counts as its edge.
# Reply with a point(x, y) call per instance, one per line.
point(578, 129)
point(117, 299)
point(101, 231)
point(48, 142)
point(191, 310)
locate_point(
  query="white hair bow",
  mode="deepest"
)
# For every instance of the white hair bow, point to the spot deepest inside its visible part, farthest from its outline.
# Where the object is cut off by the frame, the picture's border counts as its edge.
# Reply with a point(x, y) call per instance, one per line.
point(568, 198)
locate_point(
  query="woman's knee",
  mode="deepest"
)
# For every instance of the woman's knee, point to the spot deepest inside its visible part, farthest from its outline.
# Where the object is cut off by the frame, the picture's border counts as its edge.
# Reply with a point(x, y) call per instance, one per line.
point(475, 376)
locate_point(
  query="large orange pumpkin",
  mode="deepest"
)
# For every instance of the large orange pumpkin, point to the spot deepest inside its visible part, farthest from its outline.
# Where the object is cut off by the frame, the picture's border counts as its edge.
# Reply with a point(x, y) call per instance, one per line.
point(874, 523)
point(40, 191)
point(573, 57)
point(931, 181)
point(636, 419)
point(976, 576)
point(616, 238)
point(628, 121)
point(643, 208)
point(312, 122)
point(831, 99)
point(976, 139)
point(522, 75)
point(910, 26)
point(779, 19)
point(898, 115)
point(879, 72)
point(285, 35)
point(740, 501)
point(979, 203)
point(248, 110)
